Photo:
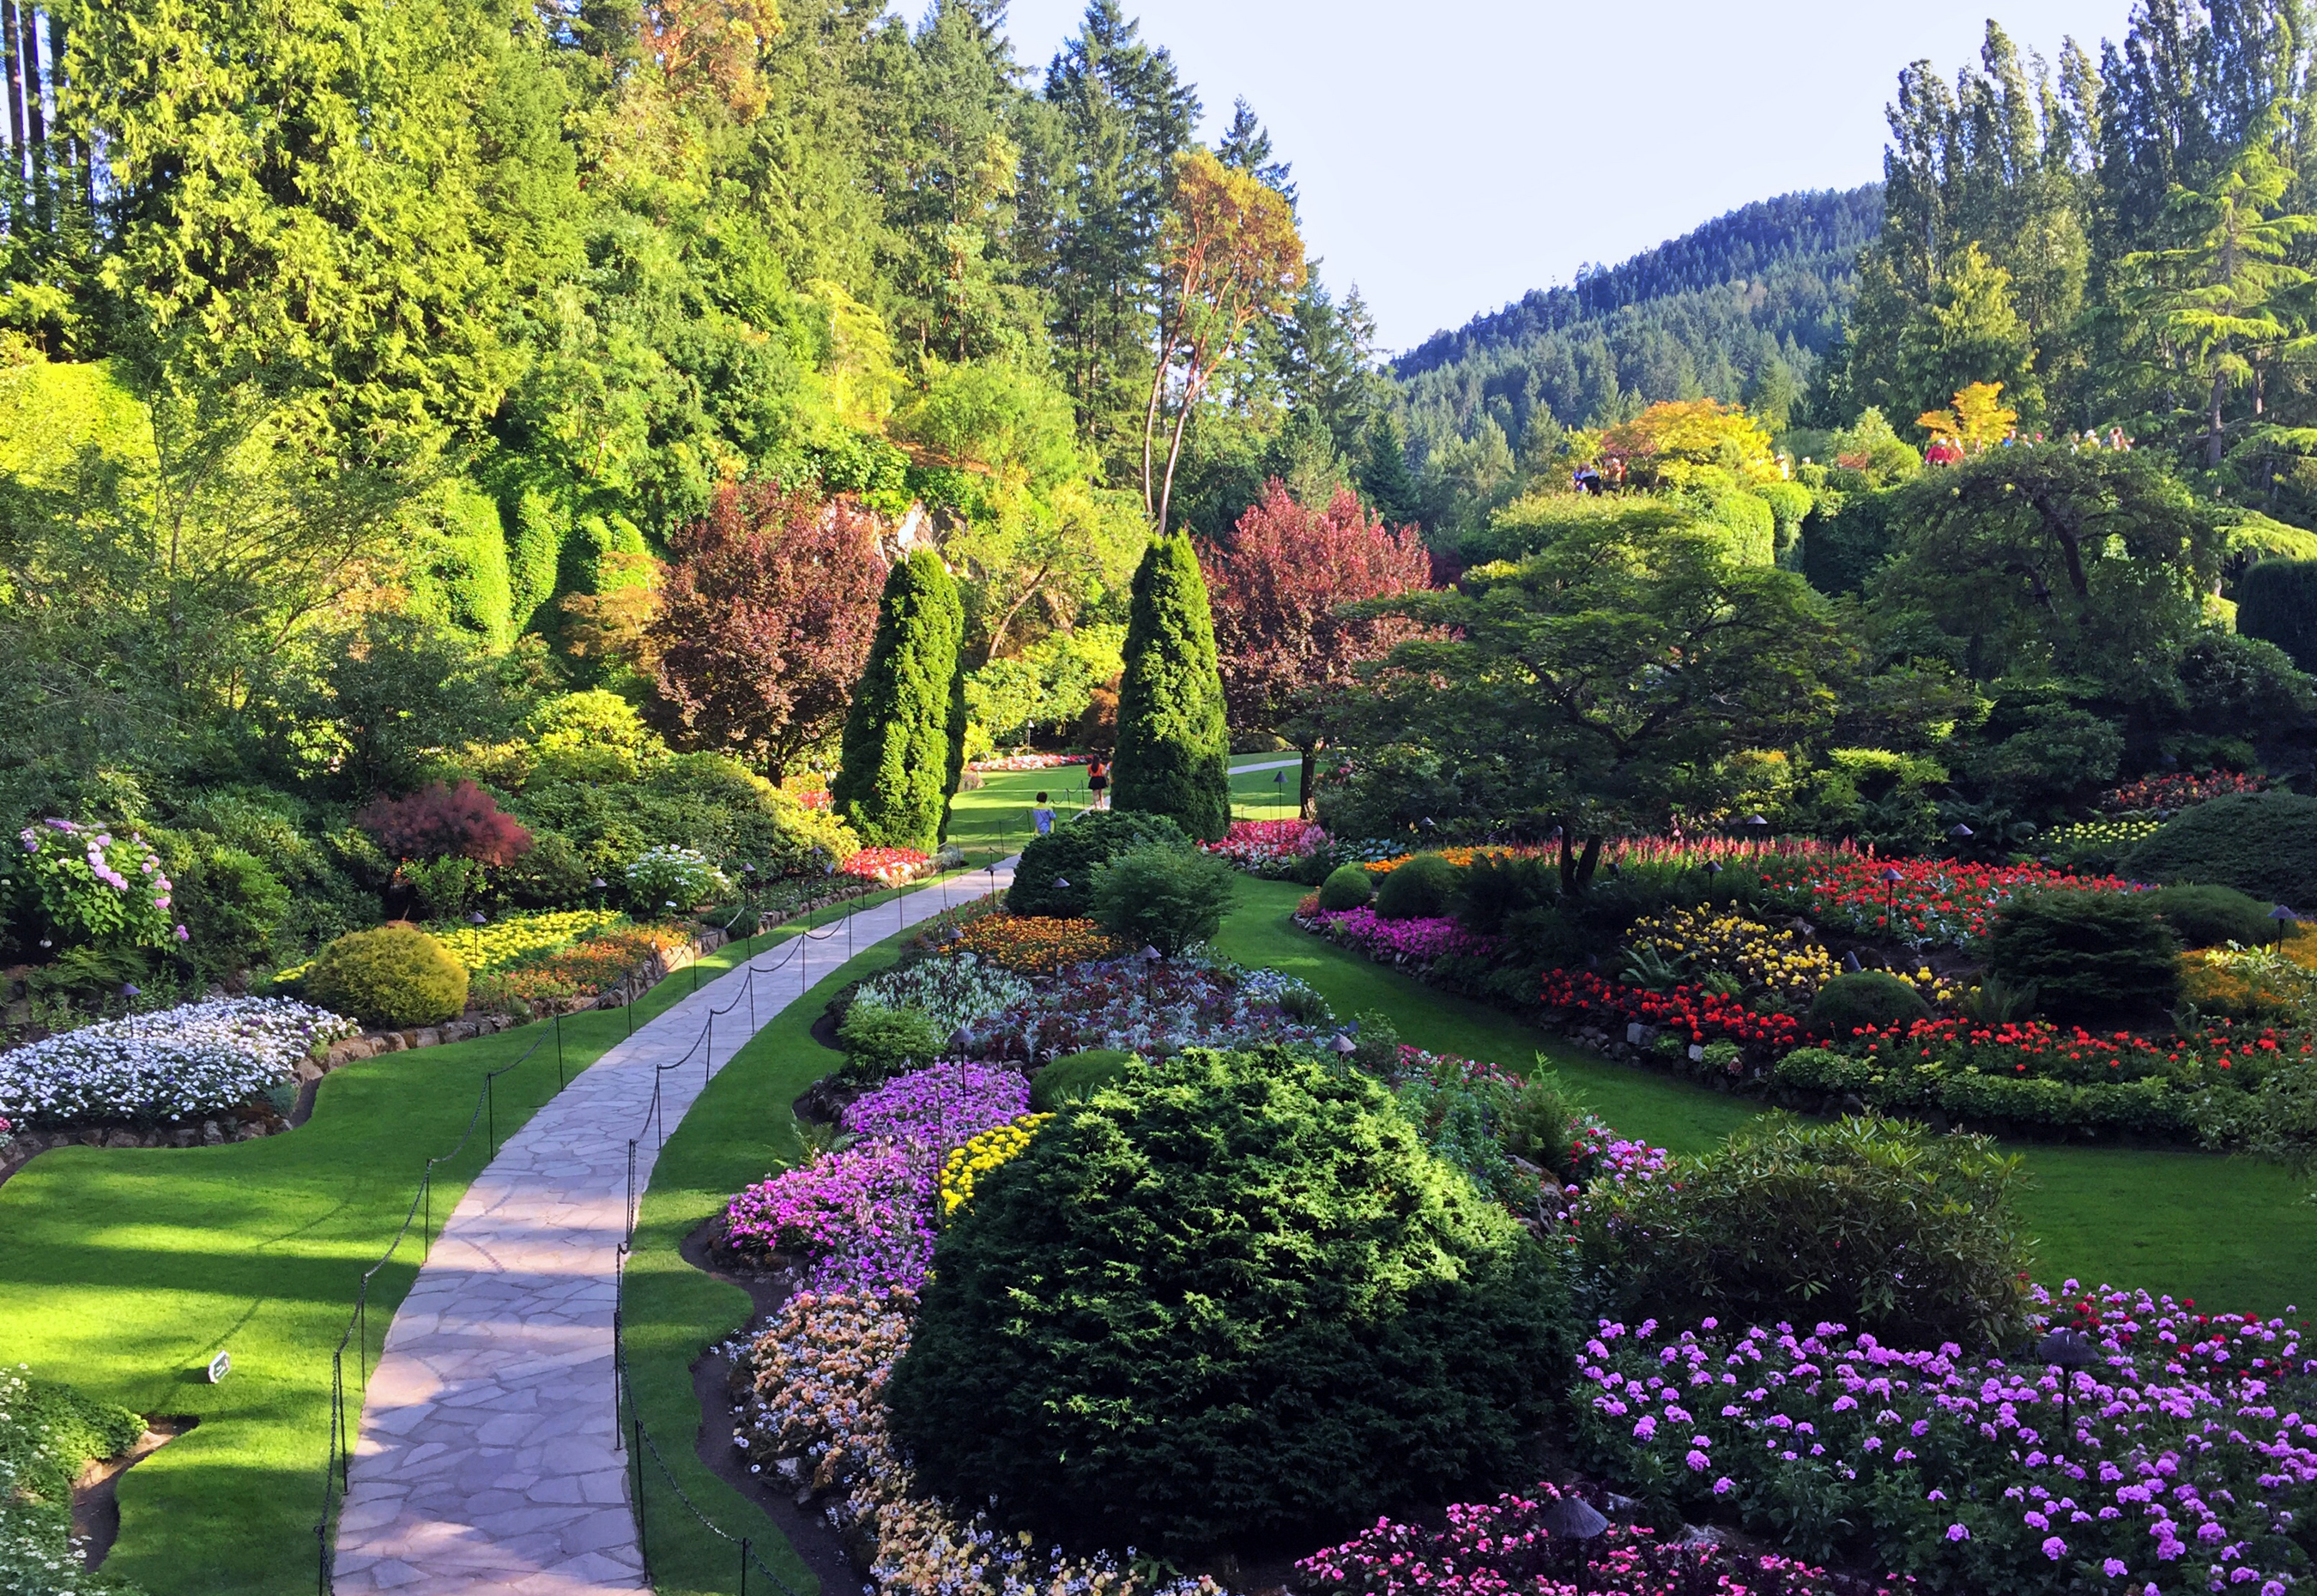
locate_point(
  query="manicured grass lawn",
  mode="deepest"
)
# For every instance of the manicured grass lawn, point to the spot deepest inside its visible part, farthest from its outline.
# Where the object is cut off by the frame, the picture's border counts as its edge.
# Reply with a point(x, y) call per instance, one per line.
point(998, 814)
point(122, 1271)
point(2229, 1232)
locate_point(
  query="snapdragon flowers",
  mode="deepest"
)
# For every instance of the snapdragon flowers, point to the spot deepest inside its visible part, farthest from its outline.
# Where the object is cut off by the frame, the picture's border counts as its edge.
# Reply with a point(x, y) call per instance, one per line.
point(196, 1059)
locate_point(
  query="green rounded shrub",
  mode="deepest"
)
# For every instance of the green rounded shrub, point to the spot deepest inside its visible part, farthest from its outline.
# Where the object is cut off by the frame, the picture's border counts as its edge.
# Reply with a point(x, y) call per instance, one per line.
point(1231, 1301)
point(1167, 898)
point(2095, 959)
point(1864, 998)
point(395, 976)
point(1078, 1077)
point(1877, 1223)
point(1348, 887)
point(2209, 916)
point(1072, 851)
point(2264, 844)
point(880, 1042)
point(233, 907)
point(1419, 889)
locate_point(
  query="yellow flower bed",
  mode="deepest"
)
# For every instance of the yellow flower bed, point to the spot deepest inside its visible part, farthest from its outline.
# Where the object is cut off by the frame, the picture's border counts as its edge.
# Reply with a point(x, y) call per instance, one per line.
point(1459, 857)
point(2095, 836)
point(966, 1166)
point(2276, 983)
point(1785, 964)
point(1035, 944)
point(484, 948)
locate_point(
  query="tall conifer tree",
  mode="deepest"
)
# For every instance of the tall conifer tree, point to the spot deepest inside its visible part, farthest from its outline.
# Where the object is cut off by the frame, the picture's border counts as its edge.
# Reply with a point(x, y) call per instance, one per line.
point(905, 736)
point(1173, 745)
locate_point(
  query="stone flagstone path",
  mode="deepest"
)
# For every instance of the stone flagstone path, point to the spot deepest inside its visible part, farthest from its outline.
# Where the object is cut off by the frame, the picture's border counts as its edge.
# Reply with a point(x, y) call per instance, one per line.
point(485, 1459)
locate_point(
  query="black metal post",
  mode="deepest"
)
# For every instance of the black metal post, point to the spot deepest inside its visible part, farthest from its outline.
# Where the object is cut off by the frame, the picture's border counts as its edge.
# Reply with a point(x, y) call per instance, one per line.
point(559, 1049)
point(642, 1552)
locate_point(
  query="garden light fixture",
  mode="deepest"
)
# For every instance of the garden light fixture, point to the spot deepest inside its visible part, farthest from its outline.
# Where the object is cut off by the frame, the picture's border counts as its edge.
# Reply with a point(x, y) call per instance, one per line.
point(1344, 1045)
point(1959, 831)
point(2283, 917)
point(1577, 1521)
point(2067, 1349)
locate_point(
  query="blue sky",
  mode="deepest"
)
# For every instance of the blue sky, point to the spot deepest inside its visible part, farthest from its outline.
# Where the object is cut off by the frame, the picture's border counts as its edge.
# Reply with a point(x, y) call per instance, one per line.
point(1453, 153)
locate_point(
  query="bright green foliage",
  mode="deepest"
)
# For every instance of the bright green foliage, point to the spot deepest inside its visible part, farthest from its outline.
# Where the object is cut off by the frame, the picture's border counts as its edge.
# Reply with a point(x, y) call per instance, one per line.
point(1174, 748)
point(1163, 898)
point(1348, 887)
point(881, 1043)
point(1071, 852)
point(1864, 998)
point(1232, 1299)
point(1876, 1223)
point(1078, 1077)
point(48, 1432)
point(461, 577)
point(233, 905)
point(2212, 916)
point(1049, 685)
point(395, 976)
point(1419, 889)
point(2095, 959)
point(2263, 843)
point(905, 735)
point(2276, 601)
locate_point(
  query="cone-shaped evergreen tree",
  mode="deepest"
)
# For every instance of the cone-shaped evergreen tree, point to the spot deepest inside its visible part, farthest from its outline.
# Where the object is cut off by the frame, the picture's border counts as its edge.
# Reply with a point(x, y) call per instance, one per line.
point(905, 735)
point(1173, 746)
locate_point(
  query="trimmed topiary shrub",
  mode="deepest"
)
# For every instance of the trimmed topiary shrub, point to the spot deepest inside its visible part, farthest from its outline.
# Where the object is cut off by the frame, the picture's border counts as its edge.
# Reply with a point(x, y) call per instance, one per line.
point(1070, 852)
point(1232, 1301)
point(1078, 1077)
point(1419, 889)
point(393, 976)
point(2210, 916)
point(905, 734)
point(1864, 998)
point(1348, 887)
point(2093, 957)
point(1174, 748)
point(2276, 602)
point(2264, 844)
point(1876, 1223)
point(1167, 898)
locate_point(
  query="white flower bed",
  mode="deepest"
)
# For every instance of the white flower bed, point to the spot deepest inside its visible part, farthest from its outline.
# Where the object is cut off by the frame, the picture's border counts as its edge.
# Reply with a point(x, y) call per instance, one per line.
point(952, 992)
point(196, 1059)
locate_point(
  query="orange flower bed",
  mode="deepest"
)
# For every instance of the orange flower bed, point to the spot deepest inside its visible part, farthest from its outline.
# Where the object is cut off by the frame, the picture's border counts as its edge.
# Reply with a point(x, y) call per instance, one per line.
point(1459, 857)
point(583, 969)
point(1035, 944)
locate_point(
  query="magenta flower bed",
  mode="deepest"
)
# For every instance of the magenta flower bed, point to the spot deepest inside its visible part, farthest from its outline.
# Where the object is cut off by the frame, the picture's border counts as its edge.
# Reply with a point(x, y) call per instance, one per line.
point(2182, 1460)
point(863, 1218)
point(1419, 941)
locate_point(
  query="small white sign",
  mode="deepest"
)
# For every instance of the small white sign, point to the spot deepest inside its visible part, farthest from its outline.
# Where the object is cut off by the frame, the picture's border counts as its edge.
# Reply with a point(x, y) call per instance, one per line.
point(220, 1366)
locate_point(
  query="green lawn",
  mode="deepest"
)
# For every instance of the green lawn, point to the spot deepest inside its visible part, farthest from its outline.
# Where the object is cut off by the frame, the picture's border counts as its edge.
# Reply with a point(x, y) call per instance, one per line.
point(998, 814)
point(122, 1271)
point(2228, 1232)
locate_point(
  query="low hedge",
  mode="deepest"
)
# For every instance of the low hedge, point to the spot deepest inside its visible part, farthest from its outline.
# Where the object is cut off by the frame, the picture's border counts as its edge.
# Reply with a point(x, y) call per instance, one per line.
point(2151, 1106)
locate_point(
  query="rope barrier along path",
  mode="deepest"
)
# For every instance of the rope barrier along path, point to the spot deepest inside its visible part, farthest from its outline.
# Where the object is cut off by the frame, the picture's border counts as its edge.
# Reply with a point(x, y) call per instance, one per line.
point(489, 1453)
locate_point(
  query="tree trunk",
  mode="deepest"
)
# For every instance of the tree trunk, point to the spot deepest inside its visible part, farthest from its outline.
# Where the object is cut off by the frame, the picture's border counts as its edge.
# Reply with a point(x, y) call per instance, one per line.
point(2213, 432)
point(1310, 777)
point(12, 78)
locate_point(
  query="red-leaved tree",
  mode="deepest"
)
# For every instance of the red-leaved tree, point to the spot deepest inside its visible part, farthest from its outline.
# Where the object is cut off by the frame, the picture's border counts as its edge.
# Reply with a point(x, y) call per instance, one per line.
point(1279, 589)
point(439, 822)
point(764, 623)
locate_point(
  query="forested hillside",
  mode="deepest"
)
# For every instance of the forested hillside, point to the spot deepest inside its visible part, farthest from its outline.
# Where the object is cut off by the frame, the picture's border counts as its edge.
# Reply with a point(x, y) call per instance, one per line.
point(1742, 308)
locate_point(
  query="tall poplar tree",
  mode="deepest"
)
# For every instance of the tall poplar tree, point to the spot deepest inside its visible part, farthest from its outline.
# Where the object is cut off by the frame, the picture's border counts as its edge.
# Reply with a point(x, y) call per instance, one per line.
point(905, 736)
point(1174, 744)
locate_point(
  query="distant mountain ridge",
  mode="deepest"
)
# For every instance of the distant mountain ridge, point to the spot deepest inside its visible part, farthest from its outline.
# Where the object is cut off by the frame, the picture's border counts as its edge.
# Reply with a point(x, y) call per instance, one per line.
point(1703, 314)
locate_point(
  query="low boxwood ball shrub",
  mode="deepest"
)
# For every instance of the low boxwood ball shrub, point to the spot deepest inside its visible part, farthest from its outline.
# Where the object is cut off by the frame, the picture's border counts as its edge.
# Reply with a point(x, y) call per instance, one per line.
point(1419, 889)
point(1078, 1077)
point(1348, 887)
point(1069, 853)
point(1233, 1300)
point(1876, 1223)
point(2264, 844)
point(395, 976)
point(1167, 898)
point(2213, 916)
point(1874, 998)
point(2090, 956)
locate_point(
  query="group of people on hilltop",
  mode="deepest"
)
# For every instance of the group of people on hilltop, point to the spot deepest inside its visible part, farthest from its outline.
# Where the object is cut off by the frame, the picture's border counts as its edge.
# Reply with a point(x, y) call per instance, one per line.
point(1949, 451)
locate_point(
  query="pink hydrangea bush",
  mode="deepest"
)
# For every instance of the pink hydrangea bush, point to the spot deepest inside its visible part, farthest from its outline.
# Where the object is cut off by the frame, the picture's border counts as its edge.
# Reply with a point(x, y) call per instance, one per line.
point(2182, 1460)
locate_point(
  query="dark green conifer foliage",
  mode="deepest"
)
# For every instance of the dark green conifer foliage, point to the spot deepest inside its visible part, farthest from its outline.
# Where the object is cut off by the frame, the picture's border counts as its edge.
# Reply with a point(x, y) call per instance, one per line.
point(905, 735)
point(1173, 746)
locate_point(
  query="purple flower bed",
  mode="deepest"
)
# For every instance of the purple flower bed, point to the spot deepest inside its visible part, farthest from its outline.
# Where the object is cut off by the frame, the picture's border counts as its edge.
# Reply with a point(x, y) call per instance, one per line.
point(1154, 1010)
point(2182, 1460)
point(863, 1218)
point(1419, 941)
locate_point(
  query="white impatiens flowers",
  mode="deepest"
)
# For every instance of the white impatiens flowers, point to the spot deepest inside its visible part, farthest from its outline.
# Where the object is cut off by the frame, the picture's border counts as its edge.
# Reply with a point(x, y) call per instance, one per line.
point(196, 1059)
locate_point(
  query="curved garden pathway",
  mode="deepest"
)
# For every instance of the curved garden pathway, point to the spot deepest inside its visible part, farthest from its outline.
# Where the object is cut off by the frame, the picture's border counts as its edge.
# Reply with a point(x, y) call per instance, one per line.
point(485, 1457)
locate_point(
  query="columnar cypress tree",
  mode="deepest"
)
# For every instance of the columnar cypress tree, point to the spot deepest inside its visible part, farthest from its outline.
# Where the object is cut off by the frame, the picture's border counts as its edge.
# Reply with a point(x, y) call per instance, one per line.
point(905, 735)
point(1173, 746)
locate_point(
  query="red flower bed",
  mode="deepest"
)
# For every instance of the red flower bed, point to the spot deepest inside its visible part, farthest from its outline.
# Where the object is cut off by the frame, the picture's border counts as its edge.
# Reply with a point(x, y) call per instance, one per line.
point(2040, 1050)
point(1922, 902)
point(893, 866)
point(1685, 1010)
point(2169, 794)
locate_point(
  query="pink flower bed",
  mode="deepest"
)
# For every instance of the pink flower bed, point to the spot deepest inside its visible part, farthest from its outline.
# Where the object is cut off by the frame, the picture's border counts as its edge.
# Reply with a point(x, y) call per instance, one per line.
point(1263, 846)
point(1028, 762)
point(1413, 942)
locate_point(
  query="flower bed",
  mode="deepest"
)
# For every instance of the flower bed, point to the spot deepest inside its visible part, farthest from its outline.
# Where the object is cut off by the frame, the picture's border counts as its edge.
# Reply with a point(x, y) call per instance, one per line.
point(892, 865)
point(1698, 1016)
point(963, 1170)
point(953, 993)
point(2169, 794)
point(1036, 944)
point(517, 939)
point(2095, 840)
point(197, 1058)
point(583, 969)
point(1027, 762)
point(1400, 942)
point(1459, 856)
point(1932, 902)
point(1152, 1010)
point(1270, 848)
point(2180, 1461)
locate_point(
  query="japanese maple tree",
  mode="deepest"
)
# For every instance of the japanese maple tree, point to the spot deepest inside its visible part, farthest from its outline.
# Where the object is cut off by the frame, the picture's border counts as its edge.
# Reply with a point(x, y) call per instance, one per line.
point(1279, 590)
point(764, 623)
